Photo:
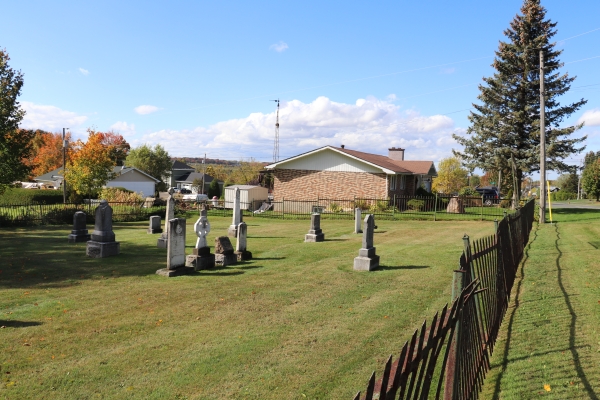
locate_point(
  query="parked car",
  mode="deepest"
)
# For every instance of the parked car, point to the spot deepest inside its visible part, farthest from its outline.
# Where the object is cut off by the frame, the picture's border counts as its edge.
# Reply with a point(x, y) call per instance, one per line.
point(198, 198)
point(490, 194)
point(185, 191)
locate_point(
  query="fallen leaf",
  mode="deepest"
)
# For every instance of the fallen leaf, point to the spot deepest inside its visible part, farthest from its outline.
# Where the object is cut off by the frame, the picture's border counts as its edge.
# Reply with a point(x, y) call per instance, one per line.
point(547, 388)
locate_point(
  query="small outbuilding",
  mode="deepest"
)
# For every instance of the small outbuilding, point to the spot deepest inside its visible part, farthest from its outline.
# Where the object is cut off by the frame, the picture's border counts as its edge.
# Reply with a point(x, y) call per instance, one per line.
point(251, 197)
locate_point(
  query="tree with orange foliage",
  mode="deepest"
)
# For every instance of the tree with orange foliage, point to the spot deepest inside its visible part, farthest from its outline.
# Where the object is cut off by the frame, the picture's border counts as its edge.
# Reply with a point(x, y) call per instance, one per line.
point(47, 154)
point(119, 148)
point(92, 162)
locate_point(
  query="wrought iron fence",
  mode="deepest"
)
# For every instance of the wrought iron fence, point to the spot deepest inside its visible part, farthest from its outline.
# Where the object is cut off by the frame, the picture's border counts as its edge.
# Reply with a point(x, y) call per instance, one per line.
point(468, 332)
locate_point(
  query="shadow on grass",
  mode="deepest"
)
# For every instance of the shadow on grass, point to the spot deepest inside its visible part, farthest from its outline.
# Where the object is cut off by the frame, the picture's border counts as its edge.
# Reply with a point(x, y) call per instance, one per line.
point(223, 272)
point(17, 324)
point(572, 328)
point(266, 237)
point(386, 267)
point(248, 266)
point(336, 240)
point(513, 313)
point(268, 258)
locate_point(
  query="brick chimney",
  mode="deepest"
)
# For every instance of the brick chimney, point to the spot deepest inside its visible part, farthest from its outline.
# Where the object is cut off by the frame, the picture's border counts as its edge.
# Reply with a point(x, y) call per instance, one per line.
point(396, 154)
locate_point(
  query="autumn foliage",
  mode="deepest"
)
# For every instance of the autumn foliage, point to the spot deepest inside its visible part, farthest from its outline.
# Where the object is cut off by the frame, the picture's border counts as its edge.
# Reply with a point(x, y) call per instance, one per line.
point(47, 154)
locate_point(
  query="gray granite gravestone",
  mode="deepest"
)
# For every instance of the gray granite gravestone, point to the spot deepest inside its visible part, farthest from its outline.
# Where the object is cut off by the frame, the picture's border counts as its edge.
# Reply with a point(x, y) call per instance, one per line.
point(240, 247)
point(224, 252)
point(357, 220)
point(154, 226)
point(176, 250)
point(79, 232)
point(170, 214)
point(201, 258)
point(102, 242)
point(367, 260)
point(315, 234)
point(237, 215)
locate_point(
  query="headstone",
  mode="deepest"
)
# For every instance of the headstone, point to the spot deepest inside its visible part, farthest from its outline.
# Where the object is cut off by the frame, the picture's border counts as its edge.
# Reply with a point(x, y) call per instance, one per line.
point(237, 215)
point(240, 247)
point(102, 243)
point(154, 226)
point(79, 232)
point(456, 206)
point(315, 234)
point(175, 250)
point(170, 214)
point(367, 260)
point(357, 220)
point(224, 252)
point(201, 258)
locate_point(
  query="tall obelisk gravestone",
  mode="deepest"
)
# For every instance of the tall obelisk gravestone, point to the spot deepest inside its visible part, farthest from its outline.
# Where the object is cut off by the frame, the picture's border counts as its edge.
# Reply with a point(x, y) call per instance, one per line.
point(367, 260)
point(237, 215)
point(170, 214)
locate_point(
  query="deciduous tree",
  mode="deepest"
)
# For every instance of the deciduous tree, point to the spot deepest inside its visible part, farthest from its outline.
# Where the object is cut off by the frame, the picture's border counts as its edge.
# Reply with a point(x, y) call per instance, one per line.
point(15, 144)
point(451, 176)
point(590, 180)
point(507, 121)
point(155, 161)
point(47, 153)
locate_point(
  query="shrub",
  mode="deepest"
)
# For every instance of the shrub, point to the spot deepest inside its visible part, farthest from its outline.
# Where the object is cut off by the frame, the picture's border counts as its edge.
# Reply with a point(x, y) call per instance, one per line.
point(334, 208)
point(118, 195)
point(379, 206)
point(214, 189)
point(362, 204)
point(416, 205)
point(421, 192)
point(28, 196)
point(562, 195)
point(468, 192)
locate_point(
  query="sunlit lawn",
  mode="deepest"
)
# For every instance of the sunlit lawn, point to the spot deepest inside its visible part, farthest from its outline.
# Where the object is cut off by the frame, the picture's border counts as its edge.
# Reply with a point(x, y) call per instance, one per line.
point(549, 344)
point(295, 322)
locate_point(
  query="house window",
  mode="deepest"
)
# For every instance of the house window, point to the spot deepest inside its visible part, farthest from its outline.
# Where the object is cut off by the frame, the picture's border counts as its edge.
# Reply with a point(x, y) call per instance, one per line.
point(402, 182)
point(393, 182)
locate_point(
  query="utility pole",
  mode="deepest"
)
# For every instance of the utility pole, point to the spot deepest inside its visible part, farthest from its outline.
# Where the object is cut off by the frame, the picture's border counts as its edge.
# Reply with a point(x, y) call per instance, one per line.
point(542, 143)
point(65, 144)
point(276, 144)
point(203, 172)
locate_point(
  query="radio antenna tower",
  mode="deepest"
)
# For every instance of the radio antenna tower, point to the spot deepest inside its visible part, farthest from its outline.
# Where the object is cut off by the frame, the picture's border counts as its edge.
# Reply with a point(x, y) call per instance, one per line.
point(276, 146)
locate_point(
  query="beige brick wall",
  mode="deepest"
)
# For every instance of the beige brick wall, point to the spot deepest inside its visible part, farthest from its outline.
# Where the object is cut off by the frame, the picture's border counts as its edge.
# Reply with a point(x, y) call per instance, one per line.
point(309, 185)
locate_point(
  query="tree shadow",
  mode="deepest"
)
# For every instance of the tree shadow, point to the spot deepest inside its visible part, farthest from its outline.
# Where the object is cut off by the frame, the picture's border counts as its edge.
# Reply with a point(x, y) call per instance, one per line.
point(17, 324)
point(386, 267)
point(266, 237)
point(218, 273)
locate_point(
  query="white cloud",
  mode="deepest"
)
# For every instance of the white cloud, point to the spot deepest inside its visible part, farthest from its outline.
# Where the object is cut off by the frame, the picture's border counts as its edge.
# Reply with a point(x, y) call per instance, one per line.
point(123, 128)
point(84, 71)
point(146, 109)
point(279, 47)
point(49, 118)
point(590, 117)
point(370, 125)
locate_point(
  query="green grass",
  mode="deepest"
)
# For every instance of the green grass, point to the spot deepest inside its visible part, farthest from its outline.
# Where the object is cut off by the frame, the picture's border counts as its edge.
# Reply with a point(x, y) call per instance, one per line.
point(296, 322)
point(549, 344)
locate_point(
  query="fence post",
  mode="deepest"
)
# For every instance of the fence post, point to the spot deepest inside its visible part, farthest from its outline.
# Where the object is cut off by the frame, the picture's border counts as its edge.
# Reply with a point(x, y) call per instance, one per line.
point(495, 227)
point(435, 207)
point(482, 207)
point(451, 373)
point(394, 208)
point(283, 208)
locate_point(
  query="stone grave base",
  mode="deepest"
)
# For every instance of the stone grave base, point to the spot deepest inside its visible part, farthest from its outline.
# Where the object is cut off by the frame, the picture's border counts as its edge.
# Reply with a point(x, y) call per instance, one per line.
point(169, 273)
point(161, 243)
point(243, 255)
point(78, 238)
point(206, 261)
point(366, 263)
point(314, 237)
point(102, 249)
point(232, 231)
point(225, 259)
point(152, 231)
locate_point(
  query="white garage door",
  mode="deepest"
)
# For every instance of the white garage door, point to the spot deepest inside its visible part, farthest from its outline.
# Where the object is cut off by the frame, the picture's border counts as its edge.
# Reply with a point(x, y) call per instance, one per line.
point(145, 188)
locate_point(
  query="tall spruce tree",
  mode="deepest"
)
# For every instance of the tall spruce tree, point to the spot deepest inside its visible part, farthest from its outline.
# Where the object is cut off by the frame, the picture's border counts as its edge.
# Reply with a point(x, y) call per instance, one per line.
point(507, 122)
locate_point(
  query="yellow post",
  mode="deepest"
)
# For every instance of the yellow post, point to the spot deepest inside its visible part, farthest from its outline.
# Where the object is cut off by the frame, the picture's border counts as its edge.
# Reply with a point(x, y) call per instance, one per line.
point(549, 201)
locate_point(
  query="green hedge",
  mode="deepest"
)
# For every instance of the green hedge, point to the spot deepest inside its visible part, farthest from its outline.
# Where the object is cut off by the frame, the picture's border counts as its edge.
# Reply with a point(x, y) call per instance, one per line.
point(29, 196)
point(562, 195)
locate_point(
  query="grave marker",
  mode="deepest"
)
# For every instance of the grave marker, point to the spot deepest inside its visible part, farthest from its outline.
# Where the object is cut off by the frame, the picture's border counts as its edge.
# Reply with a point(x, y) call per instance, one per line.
point(367, 260)
point(102, 243)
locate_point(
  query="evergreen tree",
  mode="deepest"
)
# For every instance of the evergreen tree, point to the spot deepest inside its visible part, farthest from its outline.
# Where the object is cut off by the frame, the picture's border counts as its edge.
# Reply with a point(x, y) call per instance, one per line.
point(214, 189)
point(507, 121)
point(15, 144)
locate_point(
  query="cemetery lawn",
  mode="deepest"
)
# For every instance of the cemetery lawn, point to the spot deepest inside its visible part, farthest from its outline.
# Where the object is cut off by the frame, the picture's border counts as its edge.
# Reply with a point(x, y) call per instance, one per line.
point(295, 322)
point(549, 342)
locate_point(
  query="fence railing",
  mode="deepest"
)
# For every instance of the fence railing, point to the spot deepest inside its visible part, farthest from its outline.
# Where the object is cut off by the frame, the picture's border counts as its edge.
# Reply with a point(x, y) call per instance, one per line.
point(52, 214)
point(468, 331)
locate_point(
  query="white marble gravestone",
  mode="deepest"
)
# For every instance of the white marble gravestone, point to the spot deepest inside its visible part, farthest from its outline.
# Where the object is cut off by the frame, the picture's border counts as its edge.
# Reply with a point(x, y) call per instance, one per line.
point(201, 258)
point(176, 250)
point(170, 214)
point(237, 215)
point(240, 246)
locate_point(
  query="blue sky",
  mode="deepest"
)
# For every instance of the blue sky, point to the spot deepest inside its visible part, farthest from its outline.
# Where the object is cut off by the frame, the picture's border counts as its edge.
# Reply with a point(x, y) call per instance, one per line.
point(197, 77)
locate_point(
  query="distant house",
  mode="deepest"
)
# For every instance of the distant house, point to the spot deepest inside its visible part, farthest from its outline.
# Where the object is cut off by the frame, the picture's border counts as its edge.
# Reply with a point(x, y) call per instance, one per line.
point(183, 176)
point(126, 177)
point(179, 170)
point(339, 173)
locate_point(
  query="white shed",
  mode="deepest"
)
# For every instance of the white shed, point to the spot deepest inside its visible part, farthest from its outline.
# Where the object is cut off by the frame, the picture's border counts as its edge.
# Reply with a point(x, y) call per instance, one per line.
point(251, 197)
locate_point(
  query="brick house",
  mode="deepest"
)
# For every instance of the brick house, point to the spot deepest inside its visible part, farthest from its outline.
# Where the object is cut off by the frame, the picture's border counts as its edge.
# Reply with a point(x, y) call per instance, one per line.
point(340, 173)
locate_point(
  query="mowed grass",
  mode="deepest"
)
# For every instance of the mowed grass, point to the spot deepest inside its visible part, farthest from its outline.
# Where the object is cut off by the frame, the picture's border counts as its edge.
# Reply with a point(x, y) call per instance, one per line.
point(295, 322)
point(549, 343)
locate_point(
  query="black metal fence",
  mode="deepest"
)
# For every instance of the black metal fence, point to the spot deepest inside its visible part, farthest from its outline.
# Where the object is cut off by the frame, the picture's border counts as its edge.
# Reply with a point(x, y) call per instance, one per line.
point(465, 334)
point(54, 214)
